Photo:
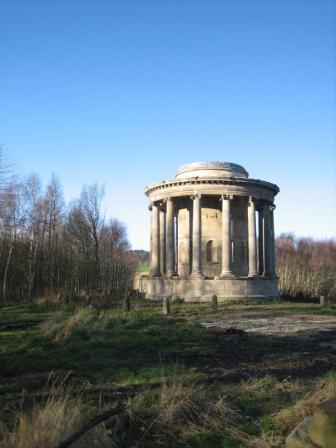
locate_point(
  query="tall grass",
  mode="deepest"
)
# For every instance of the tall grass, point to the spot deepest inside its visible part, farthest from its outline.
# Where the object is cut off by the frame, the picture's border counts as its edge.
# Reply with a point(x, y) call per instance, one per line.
point(325, 389)
point(287, 417)
point(187, 405)
point(179, 409)
point(61, 327)
point(59, 414)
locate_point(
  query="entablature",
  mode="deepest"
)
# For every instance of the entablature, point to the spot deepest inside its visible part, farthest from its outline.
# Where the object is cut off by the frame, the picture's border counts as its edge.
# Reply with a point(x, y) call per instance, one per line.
point(212, 187)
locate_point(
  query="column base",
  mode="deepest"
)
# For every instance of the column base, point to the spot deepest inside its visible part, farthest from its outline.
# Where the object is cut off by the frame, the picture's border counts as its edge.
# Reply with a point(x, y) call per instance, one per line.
point(253, 275)
point(227, 274)
point(155, 275)
point(196, 275)
point(269, 275)
point(171, 274)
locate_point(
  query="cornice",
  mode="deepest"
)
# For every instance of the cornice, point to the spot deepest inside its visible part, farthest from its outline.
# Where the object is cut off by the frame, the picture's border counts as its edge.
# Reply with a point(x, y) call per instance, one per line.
point(165, 185)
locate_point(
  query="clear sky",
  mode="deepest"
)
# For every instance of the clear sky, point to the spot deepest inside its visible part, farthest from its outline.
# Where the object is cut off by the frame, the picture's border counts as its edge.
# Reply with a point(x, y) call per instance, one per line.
point(123, 92)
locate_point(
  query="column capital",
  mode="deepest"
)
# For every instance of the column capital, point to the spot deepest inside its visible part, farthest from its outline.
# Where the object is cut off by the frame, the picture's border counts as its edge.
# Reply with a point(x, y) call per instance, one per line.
point(269, 207)
point(154, 204)
point(195, 196)
point(228, 197)
point(252, 200)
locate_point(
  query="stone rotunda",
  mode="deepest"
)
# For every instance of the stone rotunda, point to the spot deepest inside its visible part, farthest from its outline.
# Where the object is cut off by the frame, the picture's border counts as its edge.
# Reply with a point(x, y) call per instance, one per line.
point(212, 233)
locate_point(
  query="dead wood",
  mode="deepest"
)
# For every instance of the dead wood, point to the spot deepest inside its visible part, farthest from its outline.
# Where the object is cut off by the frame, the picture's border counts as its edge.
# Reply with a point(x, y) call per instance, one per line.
point(91, 424)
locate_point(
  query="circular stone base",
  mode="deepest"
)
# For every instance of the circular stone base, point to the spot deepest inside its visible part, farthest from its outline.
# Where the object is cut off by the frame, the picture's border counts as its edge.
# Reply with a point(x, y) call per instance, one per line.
point(201, 290)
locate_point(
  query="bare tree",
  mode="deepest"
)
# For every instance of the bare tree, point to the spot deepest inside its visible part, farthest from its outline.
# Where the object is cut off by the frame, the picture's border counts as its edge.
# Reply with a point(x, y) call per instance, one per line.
point(12, 221)
point(45, 249)
point(306, 267)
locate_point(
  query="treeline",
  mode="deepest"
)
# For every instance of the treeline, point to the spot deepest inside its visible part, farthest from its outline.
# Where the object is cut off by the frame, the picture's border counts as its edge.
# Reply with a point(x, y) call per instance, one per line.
point(306, 267)
point(143, 255)
point(48, 248)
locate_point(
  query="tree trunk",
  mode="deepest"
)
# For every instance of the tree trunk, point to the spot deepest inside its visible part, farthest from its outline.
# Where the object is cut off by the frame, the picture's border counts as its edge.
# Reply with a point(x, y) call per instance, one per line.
point(4, 284)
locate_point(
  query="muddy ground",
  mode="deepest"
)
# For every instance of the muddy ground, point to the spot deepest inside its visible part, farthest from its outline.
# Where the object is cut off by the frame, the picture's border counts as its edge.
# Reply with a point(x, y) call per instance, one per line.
point(255, 344)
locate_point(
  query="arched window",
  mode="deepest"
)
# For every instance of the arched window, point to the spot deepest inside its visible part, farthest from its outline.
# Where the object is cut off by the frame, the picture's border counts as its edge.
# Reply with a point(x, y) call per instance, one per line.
point(209, 247)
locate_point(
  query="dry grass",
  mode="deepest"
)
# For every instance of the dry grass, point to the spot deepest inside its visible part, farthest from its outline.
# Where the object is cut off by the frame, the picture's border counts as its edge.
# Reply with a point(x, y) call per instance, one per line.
point(287, 418)
point(263, 441)
point(59, 414)
point(61, 327)
point(255, 386)
point(181, 408)
point(178, 401)
point(186, 404)
point(324, 390)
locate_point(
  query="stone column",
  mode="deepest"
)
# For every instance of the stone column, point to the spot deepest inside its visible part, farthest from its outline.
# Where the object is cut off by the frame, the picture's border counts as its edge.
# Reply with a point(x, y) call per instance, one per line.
point(252, 243)
point(163, 241)
point(190, 245)
point(267, 236)
point(273, 272)
point(196, 237)
point(170, 243)
point(155, 241)
point(261, 241)
point(226, 236)
point(176, 244)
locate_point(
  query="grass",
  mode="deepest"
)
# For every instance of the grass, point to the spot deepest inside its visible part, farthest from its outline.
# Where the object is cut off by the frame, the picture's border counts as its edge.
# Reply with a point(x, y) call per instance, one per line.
point(143, 267)
point(322, 389)
point(56, 416)
point(183, 385)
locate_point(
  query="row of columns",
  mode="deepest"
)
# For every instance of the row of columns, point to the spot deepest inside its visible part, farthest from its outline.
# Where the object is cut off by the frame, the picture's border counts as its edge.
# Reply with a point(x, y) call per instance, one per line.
point(163, 239)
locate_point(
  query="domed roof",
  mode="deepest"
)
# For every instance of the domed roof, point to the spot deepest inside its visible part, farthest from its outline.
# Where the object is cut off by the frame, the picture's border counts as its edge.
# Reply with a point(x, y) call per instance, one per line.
point(211, 169)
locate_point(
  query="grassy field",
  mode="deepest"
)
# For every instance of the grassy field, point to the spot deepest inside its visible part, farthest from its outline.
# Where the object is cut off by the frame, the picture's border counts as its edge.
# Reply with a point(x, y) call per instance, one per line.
point(143, 267)
point(181, 385)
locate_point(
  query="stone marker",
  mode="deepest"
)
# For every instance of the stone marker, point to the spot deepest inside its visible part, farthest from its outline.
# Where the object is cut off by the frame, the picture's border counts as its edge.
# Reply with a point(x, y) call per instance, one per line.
point(166, 305)
point(127, 303)
point(214, 303)
point(322, 301)
point(316, 431)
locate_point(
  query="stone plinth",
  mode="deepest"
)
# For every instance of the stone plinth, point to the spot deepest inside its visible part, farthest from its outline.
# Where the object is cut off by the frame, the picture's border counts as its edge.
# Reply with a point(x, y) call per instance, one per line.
point(202, 290)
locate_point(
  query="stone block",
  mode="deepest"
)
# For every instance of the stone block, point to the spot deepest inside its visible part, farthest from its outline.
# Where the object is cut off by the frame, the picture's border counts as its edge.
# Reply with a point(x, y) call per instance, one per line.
point(322, 429)
point(299, 438)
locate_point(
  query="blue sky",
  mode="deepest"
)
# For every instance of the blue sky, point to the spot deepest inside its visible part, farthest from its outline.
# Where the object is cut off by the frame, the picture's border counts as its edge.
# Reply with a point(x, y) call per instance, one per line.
point(123, 92)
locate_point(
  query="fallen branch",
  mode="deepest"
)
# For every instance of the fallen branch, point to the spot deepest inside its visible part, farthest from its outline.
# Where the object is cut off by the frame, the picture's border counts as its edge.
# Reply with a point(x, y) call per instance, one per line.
point(91, 424)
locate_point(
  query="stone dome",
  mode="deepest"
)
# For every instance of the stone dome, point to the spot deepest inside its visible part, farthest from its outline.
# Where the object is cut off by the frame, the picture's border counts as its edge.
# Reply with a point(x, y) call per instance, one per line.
point(211, 169)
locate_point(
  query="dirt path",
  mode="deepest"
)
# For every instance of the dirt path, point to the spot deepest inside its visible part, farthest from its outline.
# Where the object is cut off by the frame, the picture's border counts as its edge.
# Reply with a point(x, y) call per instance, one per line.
point(287, 325)
point(288, 345)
